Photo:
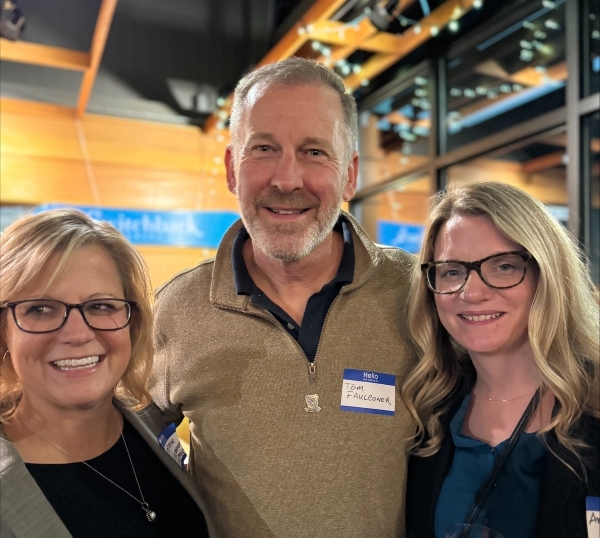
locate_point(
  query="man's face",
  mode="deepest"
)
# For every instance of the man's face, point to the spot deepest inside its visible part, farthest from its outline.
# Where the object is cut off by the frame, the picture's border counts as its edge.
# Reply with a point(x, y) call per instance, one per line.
point(288, 169)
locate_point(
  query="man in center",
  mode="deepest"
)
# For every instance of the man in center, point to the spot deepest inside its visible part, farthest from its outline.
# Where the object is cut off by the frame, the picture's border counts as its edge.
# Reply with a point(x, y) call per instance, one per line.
point(286, 351)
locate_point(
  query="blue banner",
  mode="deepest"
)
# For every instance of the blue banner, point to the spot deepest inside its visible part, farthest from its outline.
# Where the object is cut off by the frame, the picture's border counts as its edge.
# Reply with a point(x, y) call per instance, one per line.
point(398, 234)
point(167, 228)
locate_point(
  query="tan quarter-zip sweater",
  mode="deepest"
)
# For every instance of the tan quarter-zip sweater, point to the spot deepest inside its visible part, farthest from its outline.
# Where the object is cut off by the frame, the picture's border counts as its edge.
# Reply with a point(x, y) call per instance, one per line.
point(266, 467)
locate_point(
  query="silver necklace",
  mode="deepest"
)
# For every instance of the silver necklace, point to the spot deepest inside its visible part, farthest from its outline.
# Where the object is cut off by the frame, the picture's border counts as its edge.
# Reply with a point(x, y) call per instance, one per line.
point(511, 399)
point(150, 514)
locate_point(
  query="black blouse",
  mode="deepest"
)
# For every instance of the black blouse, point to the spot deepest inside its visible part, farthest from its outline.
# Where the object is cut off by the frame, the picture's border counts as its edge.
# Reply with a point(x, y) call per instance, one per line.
point(91, 507)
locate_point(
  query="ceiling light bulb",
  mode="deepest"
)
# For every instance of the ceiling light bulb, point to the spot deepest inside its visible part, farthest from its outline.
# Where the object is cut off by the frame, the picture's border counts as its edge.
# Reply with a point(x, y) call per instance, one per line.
point(434, 31)
point(417, 29)
point(453, 25)
point(477, 4)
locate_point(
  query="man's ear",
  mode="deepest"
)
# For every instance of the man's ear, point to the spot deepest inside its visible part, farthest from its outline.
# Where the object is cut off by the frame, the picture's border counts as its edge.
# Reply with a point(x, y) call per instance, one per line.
point(350, 188)
point(230, 168)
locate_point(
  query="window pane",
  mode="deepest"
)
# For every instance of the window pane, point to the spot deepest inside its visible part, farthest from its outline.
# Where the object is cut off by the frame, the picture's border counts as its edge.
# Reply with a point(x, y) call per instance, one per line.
point(395, 133)
point(511, 77)
point(538, 168)
point(591, 47)
point(593, 127)
point(396, 217)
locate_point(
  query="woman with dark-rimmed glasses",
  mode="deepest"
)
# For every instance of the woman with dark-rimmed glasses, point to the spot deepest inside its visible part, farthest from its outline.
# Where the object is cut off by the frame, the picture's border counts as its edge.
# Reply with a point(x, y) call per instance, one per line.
point(79, 454)
point(506, 394)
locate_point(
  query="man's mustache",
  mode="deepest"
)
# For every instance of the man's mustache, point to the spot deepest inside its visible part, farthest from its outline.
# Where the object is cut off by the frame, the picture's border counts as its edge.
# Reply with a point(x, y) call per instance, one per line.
point(294, 199)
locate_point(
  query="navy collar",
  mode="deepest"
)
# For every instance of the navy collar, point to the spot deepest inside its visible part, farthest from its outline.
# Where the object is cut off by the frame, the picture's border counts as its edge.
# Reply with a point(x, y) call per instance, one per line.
point(243, 281)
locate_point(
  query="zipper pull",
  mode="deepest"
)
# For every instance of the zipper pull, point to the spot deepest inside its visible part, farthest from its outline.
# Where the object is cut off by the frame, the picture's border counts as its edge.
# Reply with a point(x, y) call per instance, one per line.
point(312, 372)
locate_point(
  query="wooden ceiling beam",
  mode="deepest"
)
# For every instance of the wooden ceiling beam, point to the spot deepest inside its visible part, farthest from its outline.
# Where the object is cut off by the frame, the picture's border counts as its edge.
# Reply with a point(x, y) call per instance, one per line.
point(288, 45)
point(344, 40)
point(105, 16)
point(297, 35)
point(400, 46)
point(45, 55)
point(544, 162)
point(337, 33)
point(358, 34)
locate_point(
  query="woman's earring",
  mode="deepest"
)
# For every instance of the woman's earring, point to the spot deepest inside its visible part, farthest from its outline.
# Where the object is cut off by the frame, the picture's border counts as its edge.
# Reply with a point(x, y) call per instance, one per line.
point(5, 354)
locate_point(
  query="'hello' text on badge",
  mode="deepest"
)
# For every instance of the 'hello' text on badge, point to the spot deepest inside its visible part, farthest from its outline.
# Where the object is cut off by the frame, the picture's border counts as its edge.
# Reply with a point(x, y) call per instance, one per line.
point(368, 392)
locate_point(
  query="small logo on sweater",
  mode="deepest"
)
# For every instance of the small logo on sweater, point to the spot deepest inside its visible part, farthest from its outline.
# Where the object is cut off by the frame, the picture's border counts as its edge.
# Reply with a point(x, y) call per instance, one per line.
point(312, 402)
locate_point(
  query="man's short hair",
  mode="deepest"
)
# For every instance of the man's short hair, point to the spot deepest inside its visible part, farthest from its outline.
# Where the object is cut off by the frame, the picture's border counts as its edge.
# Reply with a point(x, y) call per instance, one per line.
point(296, 71)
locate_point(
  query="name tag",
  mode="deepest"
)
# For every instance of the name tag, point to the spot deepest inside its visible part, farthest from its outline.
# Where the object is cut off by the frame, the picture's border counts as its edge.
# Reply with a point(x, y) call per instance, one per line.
point(368, 392)
point(170, 442)
point(592, 516)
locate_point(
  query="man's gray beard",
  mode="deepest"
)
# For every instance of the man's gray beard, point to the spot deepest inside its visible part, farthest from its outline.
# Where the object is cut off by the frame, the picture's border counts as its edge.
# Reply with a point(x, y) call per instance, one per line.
point(269, 242)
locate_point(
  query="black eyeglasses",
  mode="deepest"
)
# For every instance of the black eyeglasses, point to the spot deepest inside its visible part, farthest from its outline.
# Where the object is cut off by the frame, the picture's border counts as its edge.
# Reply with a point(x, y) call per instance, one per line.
point(49, 315)
point(501, 271)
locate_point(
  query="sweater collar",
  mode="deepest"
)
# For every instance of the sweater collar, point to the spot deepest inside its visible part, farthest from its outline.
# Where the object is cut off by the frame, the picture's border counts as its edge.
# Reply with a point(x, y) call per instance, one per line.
point(367, 256)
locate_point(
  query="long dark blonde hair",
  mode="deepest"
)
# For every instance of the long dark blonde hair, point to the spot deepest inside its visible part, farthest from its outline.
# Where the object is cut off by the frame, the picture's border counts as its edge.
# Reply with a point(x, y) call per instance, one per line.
point(563, 320)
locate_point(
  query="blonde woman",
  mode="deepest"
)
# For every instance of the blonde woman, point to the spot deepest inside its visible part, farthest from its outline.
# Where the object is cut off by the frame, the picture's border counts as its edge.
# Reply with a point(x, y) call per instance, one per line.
point(76, 350)
point(505, 318)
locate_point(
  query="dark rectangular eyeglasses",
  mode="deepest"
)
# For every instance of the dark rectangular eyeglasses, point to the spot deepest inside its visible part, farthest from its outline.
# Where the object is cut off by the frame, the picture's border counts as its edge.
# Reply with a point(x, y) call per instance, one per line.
point(49, 315)
point(501, 271)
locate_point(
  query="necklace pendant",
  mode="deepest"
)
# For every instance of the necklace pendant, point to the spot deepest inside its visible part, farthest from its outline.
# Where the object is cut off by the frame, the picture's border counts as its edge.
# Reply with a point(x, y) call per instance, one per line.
point(150, 514)
point(312, 403)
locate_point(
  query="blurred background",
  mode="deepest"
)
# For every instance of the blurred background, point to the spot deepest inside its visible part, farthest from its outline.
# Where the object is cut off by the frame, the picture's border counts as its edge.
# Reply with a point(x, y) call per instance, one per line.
point(121, 108)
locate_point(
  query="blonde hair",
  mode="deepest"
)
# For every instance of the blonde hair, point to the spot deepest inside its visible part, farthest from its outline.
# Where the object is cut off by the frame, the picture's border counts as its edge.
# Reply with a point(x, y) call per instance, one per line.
point(25, 247)
point(563, 320)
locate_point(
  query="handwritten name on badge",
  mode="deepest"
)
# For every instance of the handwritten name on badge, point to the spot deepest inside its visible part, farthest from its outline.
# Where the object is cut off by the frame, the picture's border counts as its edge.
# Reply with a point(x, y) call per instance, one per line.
point(368, 392)
point(592, 516)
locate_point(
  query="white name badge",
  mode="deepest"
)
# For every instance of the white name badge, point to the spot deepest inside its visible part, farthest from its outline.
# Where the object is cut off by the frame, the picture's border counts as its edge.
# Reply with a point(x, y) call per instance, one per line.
point(368, 392)
point(592, 516)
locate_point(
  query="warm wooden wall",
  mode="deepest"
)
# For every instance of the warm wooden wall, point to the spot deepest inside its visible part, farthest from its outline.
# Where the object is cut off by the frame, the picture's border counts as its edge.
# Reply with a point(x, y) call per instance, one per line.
point(48, 155)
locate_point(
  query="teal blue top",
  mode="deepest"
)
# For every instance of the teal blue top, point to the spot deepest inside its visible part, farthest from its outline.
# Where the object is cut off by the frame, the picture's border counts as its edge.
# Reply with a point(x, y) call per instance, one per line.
point(512, 507)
